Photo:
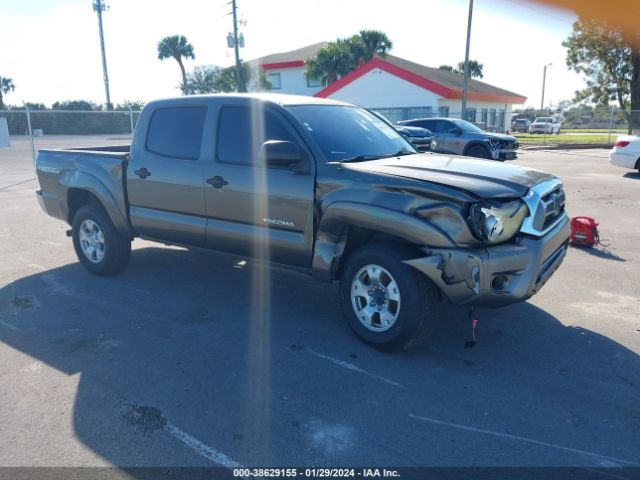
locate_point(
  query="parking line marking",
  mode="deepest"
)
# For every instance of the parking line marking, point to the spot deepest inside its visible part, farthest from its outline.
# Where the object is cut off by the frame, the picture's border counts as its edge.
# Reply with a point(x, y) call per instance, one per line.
point(525, 439)
point(201, 448)
point(352, 367)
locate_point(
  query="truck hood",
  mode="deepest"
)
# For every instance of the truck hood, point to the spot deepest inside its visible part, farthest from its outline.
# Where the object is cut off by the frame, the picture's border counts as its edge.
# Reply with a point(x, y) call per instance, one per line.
point(482, 178)
point(493, 136)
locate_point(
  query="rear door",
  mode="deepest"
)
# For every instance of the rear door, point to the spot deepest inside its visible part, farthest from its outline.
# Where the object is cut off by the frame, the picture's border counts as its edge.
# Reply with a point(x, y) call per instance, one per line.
point(165, 177)
point(252, 209)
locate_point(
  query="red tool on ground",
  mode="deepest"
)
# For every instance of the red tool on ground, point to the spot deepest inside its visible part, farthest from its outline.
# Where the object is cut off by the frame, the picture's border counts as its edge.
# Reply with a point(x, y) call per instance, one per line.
point(584, 232)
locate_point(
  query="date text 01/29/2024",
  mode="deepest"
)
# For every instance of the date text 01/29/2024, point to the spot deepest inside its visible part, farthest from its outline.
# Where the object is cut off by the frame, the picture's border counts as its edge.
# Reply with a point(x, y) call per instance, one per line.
point(315, 473)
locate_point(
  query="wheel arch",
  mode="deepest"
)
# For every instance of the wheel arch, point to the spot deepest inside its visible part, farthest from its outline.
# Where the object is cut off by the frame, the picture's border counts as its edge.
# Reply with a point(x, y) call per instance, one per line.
point(346, 226)
point(476, 143)
point(83, 189)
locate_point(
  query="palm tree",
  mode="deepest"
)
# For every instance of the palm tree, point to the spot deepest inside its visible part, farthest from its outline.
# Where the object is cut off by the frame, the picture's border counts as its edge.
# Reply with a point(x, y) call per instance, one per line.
point(330, 63)
point(375, 43)
point(176, 47)
point(6, 86)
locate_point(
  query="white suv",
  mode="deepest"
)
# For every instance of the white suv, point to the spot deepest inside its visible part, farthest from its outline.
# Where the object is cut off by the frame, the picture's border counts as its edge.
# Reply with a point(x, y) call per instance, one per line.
point(545, 125)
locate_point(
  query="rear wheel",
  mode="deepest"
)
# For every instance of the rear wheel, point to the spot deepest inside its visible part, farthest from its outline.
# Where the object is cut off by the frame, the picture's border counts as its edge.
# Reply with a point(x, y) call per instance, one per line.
point(388, 304)
point(98, 245)
point(478, 152)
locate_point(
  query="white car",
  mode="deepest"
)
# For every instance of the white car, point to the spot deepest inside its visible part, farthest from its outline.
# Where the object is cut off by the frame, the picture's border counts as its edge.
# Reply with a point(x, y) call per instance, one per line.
point(545, 125)
point(626, 152)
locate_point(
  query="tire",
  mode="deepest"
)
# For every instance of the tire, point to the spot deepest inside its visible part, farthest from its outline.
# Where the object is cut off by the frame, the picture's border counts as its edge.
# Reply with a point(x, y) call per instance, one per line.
point(478, 152)
point(415, 309)
point(98, 245)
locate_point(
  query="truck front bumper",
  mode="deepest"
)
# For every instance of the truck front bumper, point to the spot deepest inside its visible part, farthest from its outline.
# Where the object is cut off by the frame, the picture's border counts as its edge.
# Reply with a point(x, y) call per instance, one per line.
point(496, 276)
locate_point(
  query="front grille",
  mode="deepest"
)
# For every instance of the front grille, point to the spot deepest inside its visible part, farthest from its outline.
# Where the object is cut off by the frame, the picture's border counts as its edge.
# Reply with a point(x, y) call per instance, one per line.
point(553, 206)
point(546, 203)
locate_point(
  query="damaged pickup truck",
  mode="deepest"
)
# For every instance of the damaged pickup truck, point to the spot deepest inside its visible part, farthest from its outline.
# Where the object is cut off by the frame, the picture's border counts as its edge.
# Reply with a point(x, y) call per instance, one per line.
point(321, 186)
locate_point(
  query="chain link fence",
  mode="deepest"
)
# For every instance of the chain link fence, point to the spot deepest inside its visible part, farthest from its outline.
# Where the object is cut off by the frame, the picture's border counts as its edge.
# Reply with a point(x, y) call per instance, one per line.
point(24, 131)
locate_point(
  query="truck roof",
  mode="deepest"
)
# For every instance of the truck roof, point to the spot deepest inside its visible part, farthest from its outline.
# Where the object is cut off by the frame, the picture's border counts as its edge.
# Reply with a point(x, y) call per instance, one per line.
point(278, 98)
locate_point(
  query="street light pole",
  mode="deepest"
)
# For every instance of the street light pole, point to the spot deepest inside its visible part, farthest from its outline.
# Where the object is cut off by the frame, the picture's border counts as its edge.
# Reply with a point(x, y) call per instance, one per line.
point(99, 7)
point(466, 63)
point(236, 46)
point(544, 79)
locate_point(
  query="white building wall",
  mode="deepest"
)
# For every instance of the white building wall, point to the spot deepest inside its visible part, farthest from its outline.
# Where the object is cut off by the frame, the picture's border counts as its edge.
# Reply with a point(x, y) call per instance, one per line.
point(380, 89)
point(293, 81)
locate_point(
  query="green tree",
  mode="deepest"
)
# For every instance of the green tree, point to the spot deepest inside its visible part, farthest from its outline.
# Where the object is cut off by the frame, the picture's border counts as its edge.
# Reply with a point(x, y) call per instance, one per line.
point(176, 47)
point(135, 105)
point(475, 69)
point(6, 86)
point(78, 105)
point(203, 79)
point(345, 55)
point(330, 63)
point(374, 42)
point(610, 64)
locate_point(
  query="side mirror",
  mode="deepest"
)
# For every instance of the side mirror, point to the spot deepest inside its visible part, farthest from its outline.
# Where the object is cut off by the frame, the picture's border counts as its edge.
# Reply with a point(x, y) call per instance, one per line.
point(456, 131)
point(278, 153)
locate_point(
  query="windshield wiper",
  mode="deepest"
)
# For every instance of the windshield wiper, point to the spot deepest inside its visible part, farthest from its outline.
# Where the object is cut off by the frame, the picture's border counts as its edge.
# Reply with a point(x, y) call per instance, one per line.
point(363, 158)
point(400, 153)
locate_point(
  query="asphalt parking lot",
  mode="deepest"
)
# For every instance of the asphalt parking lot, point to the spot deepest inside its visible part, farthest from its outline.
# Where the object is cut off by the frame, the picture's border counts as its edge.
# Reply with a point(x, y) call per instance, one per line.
point(189, 359)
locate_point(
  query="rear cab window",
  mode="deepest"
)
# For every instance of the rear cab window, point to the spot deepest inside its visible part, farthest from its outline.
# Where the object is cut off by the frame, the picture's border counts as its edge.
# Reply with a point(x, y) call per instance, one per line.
point(176, 132)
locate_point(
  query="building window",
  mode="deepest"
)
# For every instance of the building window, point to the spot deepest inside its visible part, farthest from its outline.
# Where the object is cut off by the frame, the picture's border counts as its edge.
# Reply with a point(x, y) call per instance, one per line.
point(274, 80)
point(492, 117)
point(470, 115)
point(312, 83)
point(484, 116)
point(501, 118)
point(444, 111)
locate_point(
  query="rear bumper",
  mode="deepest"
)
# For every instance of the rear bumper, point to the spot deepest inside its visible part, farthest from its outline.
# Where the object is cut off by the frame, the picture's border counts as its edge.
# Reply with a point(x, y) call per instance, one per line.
point(496, 276)
point(623, 160)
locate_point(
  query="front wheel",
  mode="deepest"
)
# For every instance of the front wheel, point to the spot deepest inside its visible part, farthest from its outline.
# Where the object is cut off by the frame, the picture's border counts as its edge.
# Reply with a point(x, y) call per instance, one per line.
point(388, 304)
point(478, 152)
point(98, 245)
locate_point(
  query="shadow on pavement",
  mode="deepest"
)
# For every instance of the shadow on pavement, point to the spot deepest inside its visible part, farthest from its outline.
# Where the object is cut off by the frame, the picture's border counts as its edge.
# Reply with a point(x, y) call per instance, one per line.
point(173, 340)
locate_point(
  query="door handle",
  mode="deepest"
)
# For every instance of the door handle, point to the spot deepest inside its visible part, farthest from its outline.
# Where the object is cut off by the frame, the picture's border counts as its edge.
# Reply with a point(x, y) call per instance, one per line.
point(217, 181)
point(142, 172)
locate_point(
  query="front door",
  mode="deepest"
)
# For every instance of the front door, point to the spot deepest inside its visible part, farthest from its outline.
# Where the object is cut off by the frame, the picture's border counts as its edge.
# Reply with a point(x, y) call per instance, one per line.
point(252, 209)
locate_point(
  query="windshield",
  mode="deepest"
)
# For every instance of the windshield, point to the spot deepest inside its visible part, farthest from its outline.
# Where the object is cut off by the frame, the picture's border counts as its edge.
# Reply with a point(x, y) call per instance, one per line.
point(544, 120)
point(466, 126)
point(519, 121)
point(345, 132)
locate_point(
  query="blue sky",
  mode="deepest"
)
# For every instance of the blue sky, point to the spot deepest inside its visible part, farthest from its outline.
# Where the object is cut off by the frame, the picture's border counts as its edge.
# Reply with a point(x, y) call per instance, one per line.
point(50, 48)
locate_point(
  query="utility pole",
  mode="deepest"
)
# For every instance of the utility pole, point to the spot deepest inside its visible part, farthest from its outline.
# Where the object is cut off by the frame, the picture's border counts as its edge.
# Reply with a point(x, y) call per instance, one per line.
point(544, 79)
point(236, 46)
point(99, 7)
point(466, 63)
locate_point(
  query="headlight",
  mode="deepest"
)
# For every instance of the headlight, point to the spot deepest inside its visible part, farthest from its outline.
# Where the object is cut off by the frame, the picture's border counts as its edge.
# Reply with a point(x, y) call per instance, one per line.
point(496, 222)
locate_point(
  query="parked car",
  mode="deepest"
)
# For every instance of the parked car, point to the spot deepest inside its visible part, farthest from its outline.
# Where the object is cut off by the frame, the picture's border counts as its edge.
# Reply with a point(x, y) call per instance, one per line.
point(547, 125)
point(459, 137)
point(323, 187)
point(419, 138)
point(520, 125)
point(626, 152)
